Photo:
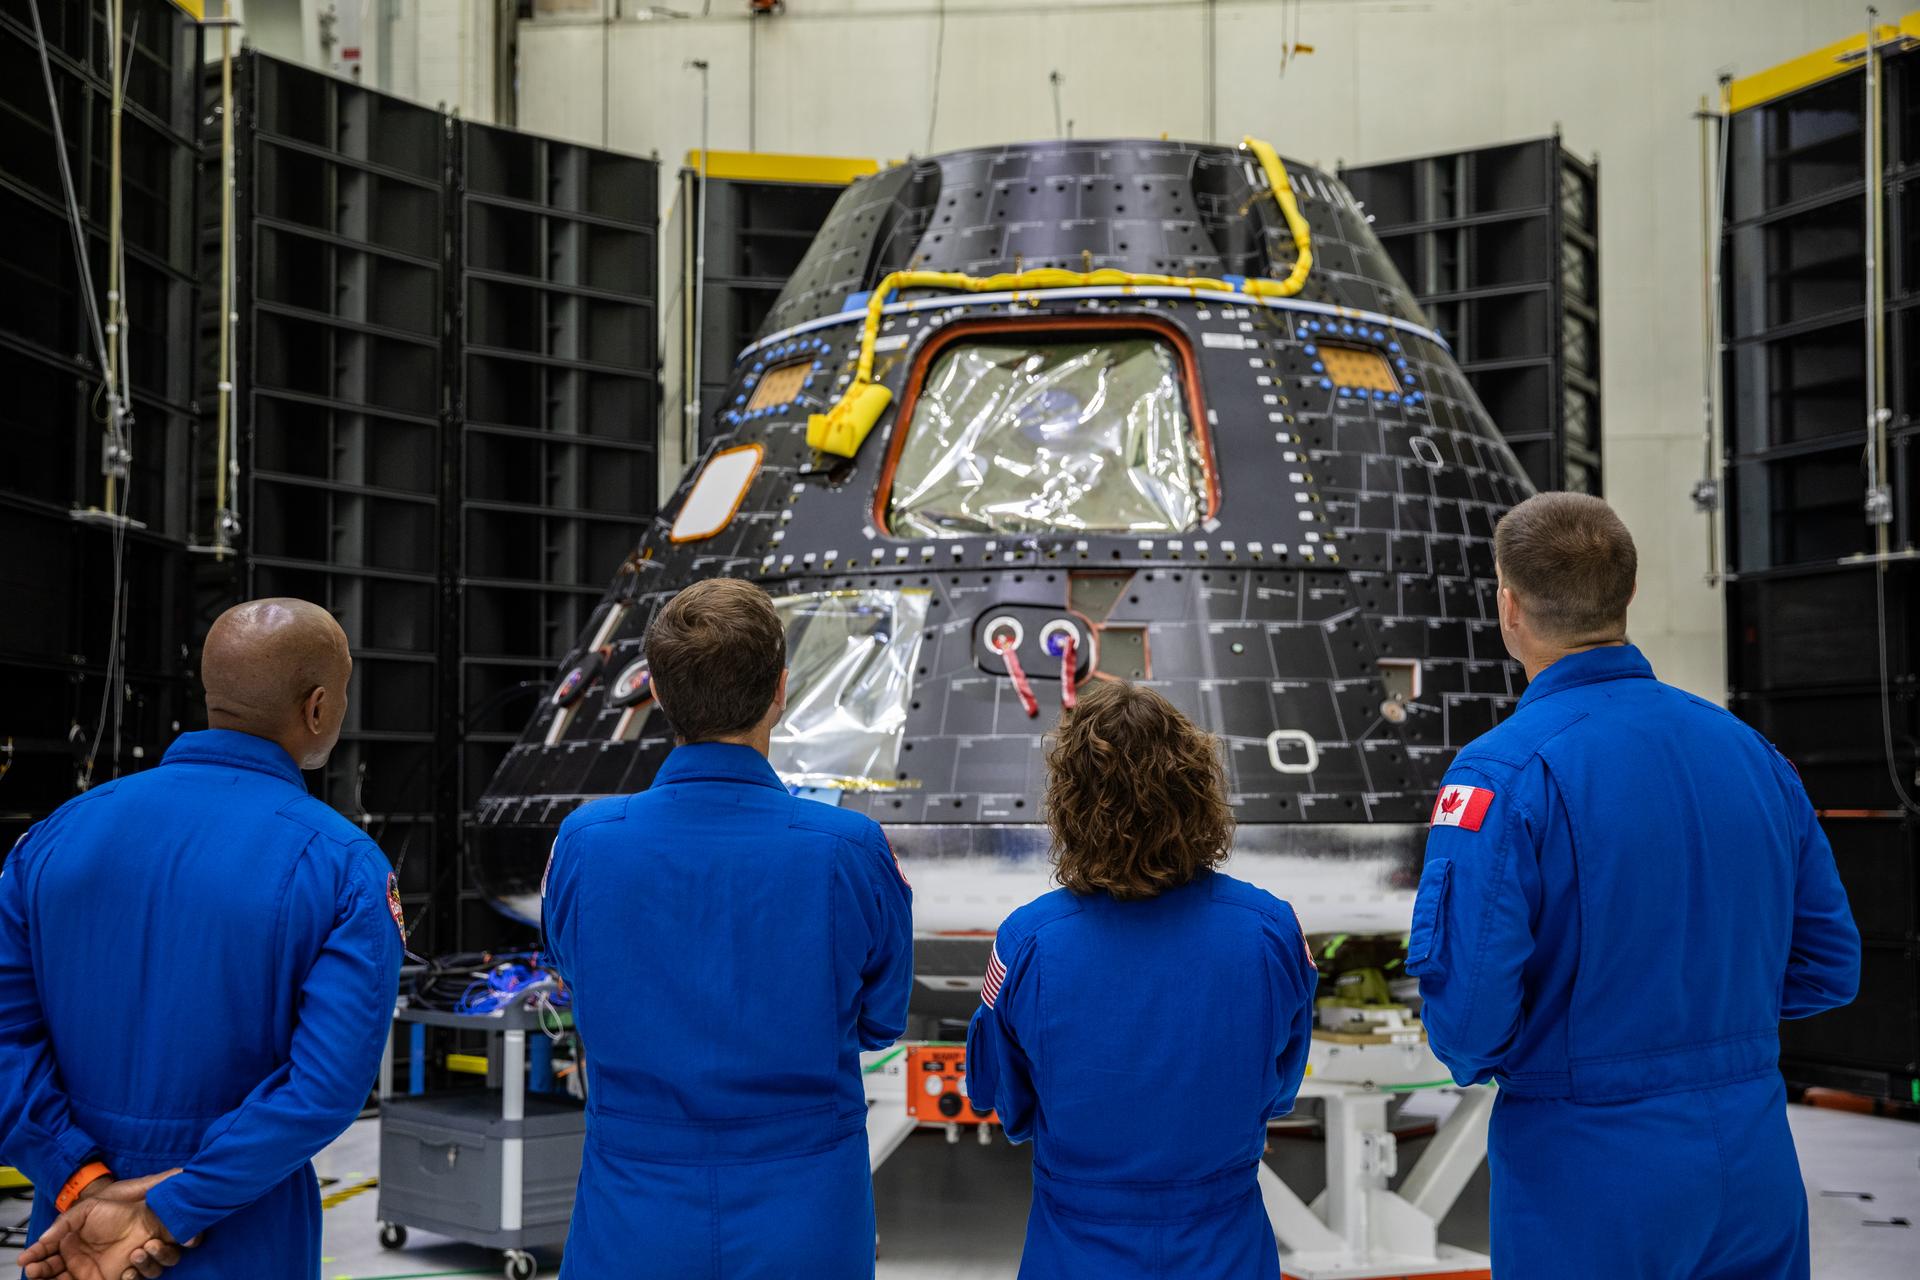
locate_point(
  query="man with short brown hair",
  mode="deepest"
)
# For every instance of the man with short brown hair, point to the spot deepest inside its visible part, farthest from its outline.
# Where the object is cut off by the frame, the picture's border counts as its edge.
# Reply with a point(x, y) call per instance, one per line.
point(1625, 890)
point(731, 949)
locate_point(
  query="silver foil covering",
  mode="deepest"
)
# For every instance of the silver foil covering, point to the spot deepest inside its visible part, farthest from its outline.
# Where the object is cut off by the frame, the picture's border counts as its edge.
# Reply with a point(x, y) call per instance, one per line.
point(1085, 435)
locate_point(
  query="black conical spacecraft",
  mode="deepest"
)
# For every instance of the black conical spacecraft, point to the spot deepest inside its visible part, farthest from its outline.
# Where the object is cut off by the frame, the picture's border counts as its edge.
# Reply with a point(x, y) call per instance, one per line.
point(1034, 415)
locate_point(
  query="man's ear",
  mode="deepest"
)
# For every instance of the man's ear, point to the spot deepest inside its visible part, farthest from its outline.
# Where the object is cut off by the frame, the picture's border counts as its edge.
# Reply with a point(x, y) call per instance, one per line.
point(313, 710)
point(780, 695)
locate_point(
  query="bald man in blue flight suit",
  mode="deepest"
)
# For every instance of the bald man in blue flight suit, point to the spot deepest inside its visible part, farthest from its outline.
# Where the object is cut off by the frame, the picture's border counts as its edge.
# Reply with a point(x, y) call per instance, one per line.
point(1625, 890)
point(197, 971)
point(731, 949)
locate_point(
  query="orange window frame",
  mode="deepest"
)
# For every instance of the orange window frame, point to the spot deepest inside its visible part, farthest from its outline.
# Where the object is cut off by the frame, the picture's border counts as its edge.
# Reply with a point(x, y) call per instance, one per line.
point(1053, 328)
point(759, 452)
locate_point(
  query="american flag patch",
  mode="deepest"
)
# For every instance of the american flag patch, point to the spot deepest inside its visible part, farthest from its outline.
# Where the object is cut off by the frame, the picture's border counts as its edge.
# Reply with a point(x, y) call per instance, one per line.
point(996, 974)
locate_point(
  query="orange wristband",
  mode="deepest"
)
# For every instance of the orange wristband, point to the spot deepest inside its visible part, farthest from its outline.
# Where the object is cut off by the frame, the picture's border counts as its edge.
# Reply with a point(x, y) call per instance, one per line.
point(88, 1175)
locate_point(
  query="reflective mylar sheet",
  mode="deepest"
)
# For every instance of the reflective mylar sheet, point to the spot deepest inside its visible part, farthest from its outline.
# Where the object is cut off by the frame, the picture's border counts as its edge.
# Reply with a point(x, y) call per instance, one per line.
point(850, 664)
point(1037, 436)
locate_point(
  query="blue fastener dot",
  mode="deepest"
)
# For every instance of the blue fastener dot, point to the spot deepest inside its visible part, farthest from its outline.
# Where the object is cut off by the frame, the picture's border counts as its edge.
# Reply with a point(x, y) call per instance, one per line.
point(1379, 395)
point(1325, 383)
point(1412, 378)
point(1379, 335)
point(1393, 346)
point(739, 399)
point(1346, 391)
point(1346, 328)
point(1393, 397)
point(1311, 350)
point(1318, 367)
point(1401, 363)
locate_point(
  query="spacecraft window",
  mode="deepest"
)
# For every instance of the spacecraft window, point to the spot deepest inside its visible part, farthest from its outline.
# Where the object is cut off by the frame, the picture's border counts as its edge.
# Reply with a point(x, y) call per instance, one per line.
point(851, 657)
point(717, 493)
point(1049, 428)
point(1360, 367)
point(778, 386)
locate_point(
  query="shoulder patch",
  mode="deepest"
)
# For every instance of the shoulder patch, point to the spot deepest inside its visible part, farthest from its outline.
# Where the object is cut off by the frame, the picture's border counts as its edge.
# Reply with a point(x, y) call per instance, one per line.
point(1460, 806)
point(996, 974)
point(393, 904)
point(897, 868)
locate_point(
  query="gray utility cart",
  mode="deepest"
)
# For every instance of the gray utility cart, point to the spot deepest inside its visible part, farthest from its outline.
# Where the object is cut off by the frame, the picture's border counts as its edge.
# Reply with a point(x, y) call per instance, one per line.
point(494, 1167)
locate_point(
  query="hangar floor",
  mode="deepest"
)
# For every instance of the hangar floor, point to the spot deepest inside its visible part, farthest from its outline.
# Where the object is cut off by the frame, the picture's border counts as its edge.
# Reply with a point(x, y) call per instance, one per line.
point(958, 1212)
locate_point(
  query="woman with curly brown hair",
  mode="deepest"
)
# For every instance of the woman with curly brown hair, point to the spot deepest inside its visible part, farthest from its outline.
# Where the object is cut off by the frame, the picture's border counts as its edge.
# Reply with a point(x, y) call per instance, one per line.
point(1143, 1022)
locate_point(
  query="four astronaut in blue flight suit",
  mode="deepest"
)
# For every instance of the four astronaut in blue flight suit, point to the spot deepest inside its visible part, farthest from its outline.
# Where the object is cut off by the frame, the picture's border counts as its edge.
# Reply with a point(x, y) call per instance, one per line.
point(1625, 890)
point(197, 972)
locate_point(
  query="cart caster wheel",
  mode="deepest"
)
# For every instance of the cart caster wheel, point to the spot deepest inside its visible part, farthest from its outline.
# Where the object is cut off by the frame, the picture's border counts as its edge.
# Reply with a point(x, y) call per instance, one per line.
point(521, 1266)
point(392, 1236)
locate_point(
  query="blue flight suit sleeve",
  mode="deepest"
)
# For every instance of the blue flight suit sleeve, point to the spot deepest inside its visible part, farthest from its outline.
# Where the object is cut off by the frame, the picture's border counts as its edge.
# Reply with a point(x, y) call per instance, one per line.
point(37, 1135)
point(1294, 981)
point(1823, 965)
point(1472, 932)
point(999, 1072)
point(877, 924)
point(550, 911)
point(345, 1011)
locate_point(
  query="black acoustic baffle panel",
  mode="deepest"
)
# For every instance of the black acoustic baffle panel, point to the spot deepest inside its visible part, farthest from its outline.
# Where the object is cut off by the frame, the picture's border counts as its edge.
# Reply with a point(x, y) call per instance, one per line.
point(59, 570)
point(340, 380)
point(1804, 604)
point(1500, 246)
point(558, 410)
point(757, 232)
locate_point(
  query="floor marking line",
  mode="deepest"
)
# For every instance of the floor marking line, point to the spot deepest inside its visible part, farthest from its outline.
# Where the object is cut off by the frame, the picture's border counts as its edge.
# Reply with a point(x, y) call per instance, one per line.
point(347, 1193)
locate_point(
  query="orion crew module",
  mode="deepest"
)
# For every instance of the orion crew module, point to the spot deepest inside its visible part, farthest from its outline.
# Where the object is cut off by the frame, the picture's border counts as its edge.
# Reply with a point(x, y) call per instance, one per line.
point(1035, 415)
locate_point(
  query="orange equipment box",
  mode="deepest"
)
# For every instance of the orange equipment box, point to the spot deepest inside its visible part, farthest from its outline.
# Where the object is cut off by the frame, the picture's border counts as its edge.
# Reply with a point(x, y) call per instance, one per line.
point(937, 1085)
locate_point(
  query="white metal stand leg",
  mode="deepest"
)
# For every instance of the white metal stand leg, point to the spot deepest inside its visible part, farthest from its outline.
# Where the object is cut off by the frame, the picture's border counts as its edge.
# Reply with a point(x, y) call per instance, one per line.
point(513, 1106)
point(1358, 1228)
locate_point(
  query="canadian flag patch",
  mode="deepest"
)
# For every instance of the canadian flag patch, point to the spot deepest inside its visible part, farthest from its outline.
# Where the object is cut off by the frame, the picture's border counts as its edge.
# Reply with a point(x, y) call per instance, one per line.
point(1463, 807)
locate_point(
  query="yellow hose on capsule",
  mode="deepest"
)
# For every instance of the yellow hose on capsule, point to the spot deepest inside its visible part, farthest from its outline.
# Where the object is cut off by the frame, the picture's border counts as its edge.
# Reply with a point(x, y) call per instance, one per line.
point(842, 429)
point(1276, 171)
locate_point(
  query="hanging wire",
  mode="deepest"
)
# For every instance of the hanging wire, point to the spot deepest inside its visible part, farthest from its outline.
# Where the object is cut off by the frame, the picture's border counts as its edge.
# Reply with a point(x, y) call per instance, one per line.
point(112, 365)
point(66, 183)
point(1874, 123)
point(939, 58)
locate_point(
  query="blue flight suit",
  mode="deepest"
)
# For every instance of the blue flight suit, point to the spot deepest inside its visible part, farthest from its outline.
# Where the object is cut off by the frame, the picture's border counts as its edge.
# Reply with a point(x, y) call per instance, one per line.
point(197, 968)
point(731, 949)
point(1625, 891)
point(1142, 1047)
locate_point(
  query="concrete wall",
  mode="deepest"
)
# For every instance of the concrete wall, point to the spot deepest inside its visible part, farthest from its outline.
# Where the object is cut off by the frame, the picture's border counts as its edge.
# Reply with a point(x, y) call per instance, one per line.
point(1387, 78)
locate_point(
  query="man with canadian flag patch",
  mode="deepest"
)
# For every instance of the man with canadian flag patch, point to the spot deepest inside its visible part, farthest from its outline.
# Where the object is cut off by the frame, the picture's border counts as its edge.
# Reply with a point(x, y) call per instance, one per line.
point(1626, 889)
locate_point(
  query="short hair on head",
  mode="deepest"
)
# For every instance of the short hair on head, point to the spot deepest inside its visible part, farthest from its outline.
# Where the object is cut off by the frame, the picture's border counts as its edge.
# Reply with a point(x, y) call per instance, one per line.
point(1136, 795)
point(1571, 562)
point(715, 654)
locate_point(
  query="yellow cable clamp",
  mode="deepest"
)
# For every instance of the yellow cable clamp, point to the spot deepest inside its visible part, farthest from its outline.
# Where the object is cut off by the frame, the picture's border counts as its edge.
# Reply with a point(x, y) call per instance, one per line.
point(843, 428)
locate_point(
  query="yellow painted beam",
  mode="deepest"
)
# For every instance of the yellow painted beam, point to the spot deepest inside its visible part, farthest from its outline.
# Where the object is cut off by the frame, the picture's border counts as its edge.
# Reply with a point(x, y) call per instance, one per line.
point(1810, 69)
point(12, 1179)
point(772, 166)
point(198, 8)
point(471, 1064)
